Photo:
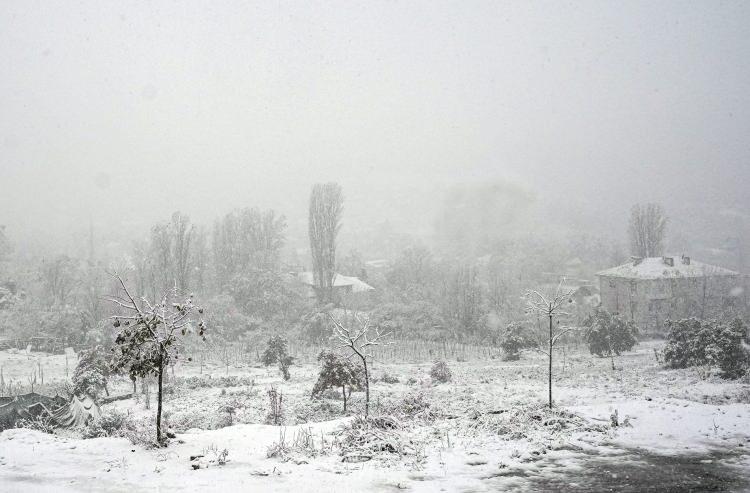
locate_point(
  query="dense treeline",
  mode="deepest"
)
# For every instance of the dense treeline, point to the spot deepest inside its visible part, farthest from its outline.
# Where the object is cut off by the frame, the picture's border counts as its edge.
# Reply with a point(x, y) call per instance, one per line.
point(245, 275)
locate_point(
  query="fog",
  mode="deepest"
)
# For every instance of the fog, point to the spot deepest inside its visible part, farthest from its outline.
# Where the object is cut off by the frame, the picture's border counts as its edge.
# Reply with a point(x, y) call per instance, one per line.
point(375, 245)
point(116, 115)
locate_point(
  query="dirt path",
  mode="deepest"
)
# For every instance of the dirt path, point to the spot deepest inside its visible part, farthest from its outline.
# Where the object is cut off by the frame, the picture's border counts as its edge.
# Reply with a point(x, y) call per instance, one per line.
point(632, 470)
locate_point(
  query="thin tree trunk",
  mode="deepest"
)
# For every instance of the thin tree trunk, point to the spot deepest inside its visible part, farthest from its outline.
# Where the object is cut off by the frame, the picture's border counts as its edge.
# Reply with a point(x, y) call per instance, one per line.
point(343, 392)
point(550, 361)
point(158, 405)
point(367, 387)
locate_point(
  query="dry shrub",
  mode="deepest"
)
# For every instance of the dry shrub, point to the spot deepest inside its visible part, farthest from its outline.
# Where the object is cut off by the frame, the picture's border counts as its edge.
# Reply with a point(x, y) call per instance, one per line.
point(275, 414)
point(525, 422)
point(109, 424)
point(42, 422)
point(204, 420)
point(279, 449)
point(304, 443)
point(387, 378)
point(410, 407)
point(364, 437)
point(315, 411)
point(205, 381)
point(140, 432)
point(440, 372)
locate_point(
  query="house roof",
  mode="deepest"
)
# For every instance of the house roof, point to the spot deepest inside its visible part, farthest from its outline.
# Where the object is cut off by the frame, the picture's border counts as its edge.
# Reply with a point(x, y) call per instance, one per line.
point(584, 289)
point(358, 285)
point(656, 268)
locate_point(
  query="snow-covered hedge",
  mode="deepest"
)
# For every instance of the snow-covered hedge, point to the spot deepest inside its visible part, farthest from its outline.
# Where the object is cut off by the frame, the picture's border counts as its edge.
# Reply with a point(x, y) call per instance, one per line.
point(693, 342)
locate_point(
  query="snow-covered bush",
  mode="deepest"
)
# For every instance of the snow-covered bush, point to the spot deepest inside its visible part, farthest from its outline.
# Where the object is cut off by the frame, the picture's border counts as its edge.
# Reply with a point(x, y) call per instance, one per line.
point(609, 334)
point(315, 411)
point(420, 318)
point(315, 327)
point(114, 423)
point(440, 372)
point(513, 340)
point(692, 342)
point(110, 423)
point(387, 378)
point(686, 343)
point(43, 422)
point(410, 406)
point(337, 373)
point(277, 352)
point(91, 373)
point(229, 409)
point(182, 421)
point(726, 350)
point(206, 381)
point(140, 432)
point(216, 455)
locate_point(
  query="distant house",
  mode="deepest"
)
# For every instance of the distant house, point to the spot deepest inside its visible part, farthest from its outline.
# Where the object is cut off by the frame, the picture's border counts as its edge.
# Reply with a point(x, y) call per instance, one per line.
point(344, 287)
point(652, 290)
point(377, 264)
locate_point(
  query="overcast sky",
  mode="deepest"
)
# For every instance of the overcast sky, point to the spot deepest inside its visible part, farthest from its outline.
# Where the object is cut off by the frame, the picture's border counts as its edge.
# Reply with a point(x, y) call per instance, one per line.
point(126, 111)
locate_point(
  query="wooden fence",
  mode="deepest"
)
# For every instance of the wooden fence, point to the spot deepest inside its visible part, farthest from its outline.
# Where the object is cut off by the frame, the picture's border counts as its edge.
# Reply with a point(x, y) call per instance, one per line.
point(399, 351)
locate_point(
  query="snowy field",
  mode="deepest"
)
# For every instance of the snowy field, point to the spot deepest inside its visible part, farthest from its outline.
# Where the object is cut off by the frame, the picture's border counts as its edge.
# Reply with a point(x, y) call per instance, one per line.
point(486, 430)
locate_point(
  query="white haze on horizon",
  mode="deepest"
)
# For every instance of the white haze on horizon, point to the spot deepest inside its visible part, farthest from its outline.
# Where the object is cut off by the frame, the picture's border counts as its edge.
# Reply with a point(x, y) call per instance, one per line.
point(120, 113)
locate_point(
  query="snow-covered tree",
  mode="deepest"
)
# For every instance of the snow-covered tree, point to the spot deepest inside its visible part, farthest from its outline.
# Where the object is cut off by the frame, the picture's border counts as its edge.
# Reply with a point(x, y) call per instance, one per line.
point(277, 352)
point(337, 372)
point(550, 305)
point(147, 333)
point(514, 339)
point(360, 340)
point(91, 373)
point(324, 223)
point(646, 230)
point(609, 334)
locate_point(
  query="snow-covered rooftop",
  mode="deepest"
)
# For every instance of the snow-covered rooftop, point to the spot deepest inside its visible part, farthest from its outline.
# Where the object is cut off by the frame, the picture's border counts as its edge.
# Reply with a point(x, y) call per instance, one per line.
point(358, 285)
point(657, 268)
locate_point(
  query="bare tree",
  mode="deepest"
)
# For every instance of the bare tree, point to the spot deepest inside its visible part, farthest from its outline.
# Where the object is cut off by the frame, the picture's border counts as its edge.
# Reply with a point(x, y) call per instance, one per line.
point(60, 278)
point(550, 305)
point(182, 234)
point(498, 290)
point(359, 340)
point(415, 273)
point(141, 263)
point(462, 298)
point(160, 255)
point(167, 258)
point(92, 287)
point(200, 258)
point(247, 240)
point(324, 223)
point(646, 230)
point(145, 343)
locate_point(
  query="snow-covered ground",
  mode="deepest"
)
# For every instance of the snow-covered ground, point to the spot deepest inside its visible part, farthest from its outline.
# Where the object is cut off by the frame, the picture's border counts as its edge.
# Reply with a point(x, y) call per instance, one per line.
point(489, 431)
